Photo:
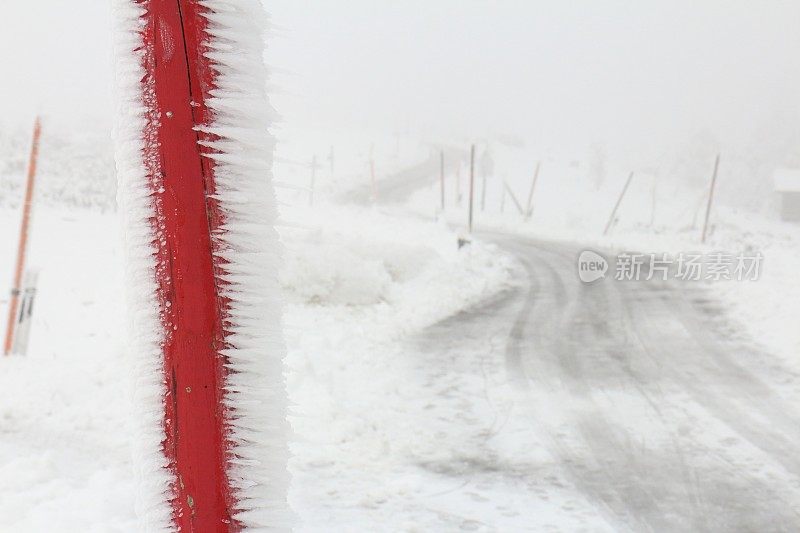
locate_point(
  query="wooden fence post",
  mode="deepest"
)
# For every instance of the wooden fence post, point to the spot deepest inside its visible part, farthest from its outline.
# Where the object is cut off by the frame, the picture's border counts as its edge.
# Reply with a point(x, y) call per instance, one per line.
point(710, 199)
point(471, 185)
point(529, 205)
point(616, 206)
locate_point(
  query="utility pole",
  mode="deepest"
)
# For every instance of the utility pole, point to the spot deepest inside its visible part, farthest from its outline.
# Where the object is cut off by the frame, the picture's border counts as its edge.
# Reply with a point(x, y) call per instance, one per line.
point(616, 206)
point(710, 199)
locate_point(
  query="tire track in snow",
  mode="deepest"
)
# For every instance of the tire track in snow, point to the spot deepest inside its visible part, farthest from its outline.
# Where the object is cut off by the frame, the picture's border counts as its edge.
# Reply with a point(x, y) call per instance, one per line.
point(609, 341)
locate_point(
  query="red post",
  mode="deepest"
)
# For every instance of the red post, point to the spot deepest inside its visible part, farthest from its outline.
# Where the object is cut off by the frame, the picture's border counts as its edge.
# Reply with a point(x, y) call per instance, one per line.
point(178, 82)
point(22, 248)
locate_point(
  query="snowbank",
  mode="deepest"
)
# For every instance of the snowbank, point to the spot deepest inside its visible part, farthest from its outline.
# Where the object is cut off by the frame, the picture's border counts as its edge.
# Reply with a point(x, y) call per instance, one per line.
point(346, 316)
point(354, 281)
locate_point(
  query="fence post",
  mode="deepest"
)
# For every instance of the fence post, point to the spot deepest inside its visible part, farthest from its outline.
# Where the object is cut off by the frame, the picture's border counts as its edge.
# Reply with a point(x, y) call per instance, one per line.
point(529, 205)
point(471, 184)
point(616, 206)
point(513, 198)
point(710, 199)
point(196, 190)
point(441, 175)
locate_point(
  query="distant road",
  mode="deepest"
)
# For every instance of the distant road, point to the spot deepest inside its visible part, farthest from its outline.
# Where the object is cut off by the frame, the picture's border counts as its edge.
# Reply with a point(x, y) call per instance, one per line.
point(397, 187)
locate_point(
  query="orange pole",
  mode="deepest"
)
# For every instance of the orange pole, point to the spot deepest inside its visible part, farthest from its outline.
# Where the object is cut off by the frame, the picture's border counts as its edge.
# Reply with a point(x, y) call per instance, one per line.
point(23, 239)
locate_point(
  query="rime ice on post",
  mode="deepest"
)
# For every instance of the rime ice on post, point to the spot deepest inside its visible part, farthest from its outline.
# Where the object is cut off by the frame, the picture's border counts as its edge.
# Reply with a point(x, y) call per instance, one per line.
point(194, 161)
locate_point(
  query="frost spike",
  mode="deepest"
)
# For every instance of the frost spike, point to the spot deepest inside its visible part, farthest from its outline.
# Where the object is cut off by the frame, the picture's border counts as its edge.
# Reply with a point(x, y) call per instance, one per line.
point(185, 154)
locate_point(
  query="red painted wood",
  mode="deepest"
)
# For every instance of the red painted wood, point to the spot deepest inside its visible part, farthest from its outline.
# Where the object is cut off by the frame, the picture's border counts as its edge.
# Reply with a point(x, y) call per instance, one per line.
point(176, 89)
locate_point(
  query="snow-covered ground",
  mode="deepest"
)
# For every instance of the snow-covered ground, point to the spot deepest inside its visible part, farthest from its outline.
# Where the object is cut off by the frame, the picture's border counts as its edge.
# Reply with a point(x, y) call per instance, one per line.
point(355, 280)
point(383, 422)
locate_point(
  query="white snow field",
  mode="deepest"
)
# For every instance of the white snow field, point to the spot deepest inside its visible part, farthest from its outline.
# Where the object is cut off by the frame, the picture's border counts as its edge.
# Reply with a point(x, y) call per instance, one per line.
point(433, 388)
point(355, 281)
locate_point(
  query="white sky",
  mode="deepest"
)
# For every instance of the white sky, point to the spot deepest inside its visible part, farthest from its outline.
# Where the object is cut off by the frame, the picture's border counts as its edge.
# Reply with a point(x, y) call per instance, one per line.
point(565, 71)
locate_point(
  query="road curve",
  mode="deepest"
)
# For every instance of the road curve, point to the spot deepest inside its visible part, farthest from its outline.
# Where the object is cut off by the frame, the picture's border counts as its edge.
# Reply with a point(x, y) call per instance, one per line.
point(653, 405)
point(638, 406)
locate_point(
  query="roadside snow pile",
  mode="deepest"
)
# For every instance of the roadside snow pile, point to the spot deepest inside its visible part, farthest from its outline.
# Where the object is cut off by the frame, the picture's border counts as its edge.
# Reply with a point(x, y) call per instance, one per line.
point(401, 272)
point(768, 307)
point(358, 282)
point(355, 280)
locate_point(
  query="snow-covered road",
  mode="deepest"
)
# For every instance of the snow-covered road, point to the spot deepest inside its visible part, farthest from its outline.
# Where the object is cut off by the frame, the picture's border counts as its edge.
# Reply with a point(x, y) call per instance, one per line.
point(627, 406)
point(556, 405)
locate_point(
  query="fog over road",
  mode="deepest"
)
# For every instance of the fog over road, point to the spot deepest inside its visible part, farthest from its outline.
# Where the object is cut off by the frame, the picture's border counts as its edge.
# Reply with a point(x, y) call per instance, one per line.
point(619, 406)
point(655, 414)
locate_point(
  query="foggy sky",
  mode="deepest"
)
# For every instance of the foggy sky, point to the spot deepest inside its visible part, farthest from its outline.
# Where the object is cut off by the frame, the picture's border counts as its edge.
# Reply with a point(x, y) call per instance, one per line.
point(630, 72)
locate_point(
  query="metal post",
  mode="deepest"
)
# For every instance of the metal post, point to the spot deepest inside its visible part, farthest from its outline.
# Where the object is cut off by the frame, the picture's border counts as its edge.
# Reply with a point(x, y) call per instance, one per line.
point(710, 198)
point(513, 198)
point(529, 205)
point(616, 206)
